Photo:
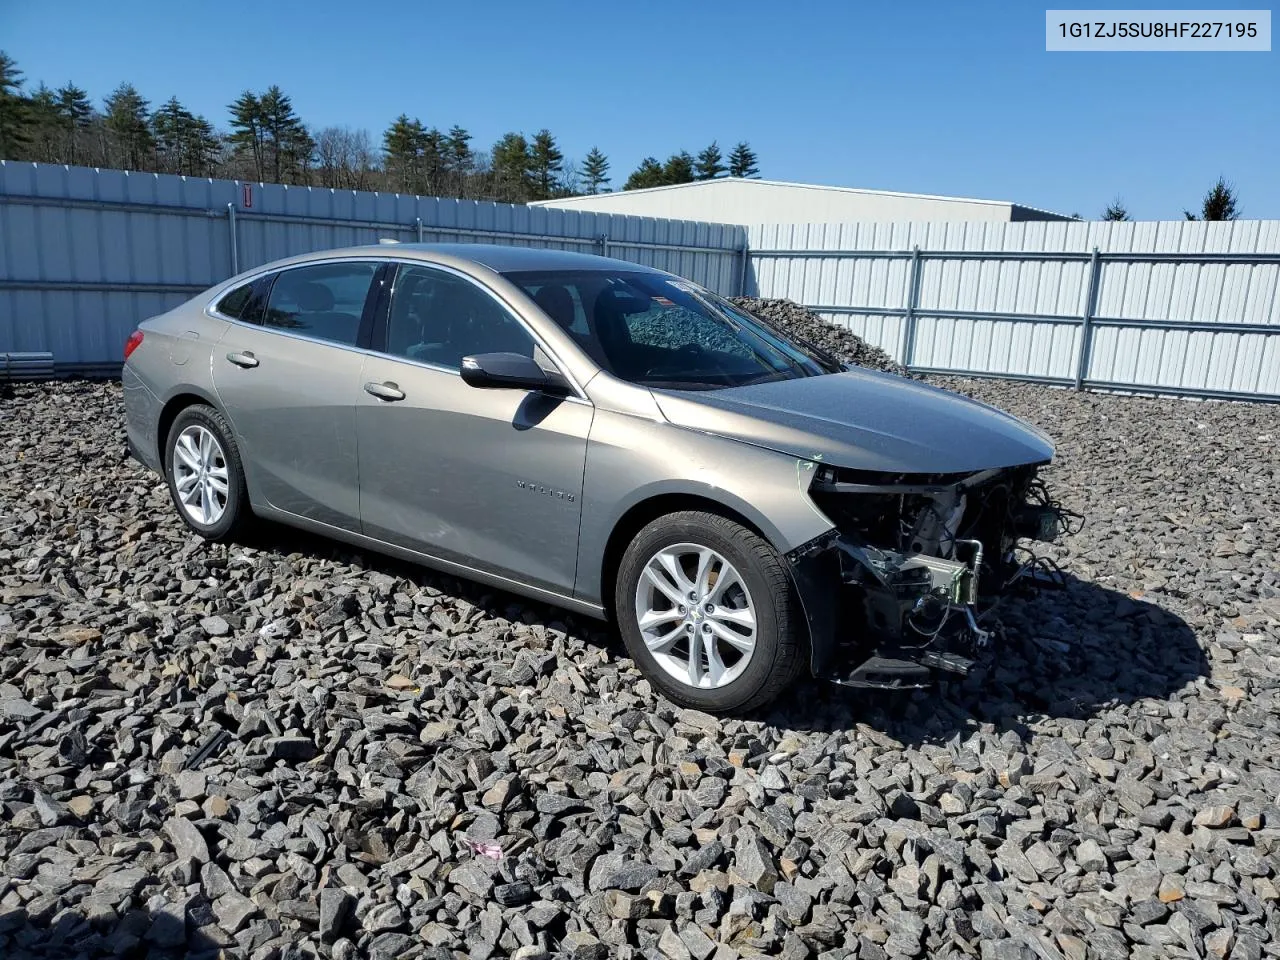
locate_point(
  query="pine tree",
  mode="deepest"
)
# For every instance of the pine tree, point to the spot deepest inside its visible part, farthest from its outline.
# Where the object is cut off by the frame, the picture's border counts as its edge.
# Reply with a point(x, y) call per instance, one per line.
point(185, 144)
point(545, 163)
point(287, 145)
point(648, 174)
point(246, 130)
point(678, 168)
point(512, 169)
point(171, 127)
point(403, 146)
point(13, 109)
point(710, 163)
point(595, 170)
point(76, 112)
point(45, 131)
point(203, 145)
point(74, 105)
point(458, 156)
point(742, 161)
point(1116, 211)
point(1220, 203)
point(459, 162)
point(434, 148)
point(129, 128)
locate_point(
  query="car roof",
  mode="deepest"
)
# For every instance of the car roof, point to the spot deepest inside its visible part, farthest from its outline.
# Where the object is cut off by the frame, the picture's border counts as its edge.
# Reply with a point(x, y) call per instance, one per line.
point(497, 257)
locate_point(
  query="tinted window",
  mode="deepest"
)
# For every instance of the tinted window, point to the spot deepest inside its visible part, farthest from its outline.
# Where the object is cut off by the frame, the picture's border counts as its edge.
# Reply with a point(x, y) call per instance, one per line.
point(324, 301)
point(234, 302)
point(256, 308)
point(439, 318)
point(563, 304)
point(665, 332)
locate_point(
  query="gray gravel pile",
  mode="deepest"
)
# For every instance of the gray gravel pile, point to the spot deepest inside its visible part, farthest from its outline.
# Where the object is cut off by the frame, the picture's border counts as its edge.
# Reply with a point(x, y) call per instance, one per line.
point(286, 749)
point(840, 342)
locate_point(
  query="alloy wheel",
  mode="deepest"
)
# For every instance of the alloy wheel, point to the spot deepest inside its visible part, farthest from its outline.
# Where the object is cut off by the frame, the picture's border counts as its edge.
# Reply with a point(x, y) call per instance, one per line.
point(696, 616)
point(200, 474)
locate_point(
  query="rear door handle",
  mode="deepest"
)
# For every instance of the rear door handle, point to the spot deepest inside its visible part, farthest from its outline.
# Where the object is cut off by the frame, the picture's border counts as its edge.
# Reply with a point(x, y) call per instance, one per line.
point(384, 391)
point(246, 359)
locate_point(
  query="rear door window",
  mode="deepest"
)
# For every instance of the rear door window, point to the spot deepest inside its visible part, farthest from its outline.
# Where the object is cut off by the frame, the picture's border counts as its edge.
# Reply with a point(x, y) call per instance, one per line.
point(324, 301)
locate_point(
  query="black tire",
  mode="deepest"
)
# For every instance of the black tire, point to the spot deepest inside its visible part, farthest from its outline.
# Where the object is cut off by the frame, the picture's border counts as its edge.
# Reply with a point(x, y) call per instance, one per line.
point(780, 641)
point(237, 512)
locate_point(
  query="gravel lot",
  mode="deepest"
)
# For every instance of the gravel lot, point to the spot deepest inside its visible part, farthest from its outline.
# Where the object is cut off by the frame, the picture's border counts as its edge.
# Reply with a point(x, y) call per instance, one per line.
point(791, 317)
point(377, 734)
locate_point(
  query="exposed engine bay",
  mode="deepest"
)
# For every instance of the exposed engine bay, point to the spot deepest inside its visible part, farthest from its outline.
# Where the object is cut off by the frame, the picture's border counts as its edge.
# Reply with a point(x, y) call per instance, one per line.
point(915, 563)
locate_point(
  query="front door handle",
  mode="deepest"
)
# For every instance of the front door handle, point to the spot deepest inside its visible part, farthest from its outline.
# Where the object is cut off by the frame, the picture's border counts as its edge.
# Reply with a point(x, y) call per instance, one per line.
point(246, 359)
point(384, 391)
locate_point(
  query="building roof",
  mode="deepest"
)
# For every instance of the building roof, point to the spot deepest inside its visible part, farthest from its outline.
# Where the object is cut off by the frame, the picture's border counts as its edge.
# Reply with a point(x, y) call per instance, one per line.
point(704, 184)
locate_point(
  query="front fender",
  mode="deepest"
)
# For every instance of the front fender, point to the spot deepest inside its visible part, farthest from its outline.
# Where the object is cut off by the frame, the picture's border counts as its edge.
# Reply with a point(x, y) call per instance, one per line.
point(633, 459)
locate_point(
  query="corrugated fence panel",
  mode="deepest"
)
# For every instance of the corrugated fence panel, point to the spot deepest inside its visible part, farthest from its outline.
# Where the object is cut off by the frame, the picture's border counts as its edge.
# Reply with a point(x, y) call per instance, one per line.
point(1190, 291)
point(1178, 307)
point(85, 254)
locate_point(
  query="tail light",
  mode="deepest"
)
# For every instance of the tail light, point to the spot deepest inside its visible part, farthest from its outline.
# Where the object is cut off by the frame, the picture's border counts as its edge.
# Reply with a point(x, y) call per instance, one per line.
point(132, 344)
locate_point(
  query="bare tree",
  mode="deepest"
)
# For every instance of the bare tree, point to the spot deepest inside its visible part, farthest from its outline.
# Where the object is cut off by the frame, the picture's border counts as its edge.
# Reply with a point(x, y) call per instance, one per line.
point(345, 158)
point(570, 178)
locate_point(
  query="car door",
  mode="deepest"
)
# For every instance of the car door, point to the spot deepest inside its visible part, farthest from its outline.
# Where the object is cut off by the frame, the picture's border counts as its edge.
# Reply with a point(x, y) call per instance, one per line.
point(288, 372)
point(487, 478)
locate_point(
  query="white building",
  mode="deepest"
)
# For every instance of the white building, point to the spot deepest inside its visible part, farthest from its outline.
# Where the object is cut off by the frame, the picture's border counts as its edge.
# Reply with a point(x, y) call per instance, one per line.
point(735, 200)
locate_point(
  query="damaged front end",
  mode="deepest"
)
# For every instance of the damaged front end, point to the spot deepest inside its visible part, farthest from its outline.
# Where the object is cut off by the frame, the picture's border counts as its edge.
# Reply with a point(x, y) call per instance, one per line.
point(899, 588)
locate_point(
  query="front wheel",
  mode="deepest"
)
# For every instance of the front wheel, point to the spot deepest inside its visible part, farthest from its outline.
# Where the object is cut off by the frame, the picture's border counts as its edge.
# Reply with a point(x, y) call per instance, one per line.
point(708, 613)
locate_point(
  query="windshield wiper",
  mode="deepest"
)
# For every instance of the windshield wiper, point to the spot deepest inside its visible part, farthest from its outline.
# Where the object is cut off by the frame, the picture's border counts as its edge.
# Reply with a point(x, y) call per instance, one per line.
point(682, 384)
point(770, 377)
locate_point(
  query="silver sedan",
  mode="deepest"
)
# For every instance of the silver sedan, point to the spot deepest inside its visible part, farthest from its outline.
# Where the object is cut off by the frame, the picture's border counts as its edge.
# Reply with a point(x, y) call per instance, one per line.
point(601, 436)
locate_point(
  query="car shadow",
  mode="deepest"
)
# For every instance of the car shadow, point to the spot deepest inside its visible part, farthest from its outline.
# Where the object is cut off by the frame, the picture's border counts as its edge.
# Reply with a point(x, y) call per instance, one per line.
point(535, 408)
point(137, 932)
point(1067, 652)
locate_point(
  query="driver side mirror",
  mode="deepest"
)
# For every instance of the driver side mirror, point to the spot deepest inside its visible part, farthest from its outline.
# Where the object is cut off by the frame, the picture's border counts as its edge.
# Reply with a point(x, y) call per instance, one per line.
point(512, 371)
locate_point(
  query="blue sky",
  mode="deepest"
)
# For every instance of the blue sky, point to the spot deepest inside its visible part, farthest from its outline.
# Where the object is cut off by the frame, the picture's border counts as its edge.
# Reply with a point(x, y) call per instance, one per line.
point(946, 98)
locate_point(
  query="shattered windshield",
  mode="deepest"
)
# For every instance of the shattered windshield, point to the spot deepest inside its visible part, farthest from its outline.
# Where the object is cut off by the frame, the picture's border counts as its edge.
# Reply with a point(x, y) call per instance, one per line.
point(661, 331)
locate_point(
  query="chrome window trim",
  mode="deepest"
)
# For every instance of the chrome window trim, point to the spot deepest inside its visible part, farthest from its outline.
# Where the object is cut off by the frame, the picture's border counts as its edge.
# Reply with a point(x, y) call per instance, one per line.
point(227, 286)
point(440, 368)
point(578, 396)
point(210, 311)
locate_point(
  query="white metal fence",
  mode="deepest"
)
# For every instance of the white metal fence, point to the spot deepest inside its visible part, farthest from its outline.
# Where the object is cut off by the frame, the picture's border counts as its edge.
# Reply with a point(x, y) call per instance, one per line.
point(1172, 307)
point(1187, 308)
point(85, 254)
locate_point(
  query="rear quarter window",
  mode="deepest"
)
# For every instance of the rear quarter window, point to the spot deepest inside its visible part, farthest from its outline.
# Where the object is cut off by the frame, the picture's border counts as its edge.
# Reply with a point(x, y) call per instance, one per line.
point(246, 303)
point(233, 303)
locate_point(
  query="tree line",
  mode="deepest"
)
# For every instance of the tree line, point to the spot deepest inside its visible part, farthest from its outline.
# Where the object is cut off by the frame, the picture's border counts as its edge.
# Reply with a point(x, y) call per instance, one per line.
point(684, 168)
point(1219, 203)
point(265, 140)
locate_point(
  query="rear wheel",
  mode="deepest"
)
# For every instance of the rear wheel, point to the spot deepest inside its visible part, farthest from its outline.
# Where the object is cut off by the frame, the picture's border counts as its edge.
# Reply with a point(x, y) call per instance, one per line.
point(206, 481)
point(707, 611)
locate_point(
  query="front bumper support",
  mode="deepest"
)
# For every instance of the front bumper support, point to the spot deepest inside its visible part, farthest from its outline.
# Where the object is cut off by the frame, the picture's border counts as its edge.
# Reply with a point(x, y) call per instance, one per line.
point(891, 618)
point(879, 619)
